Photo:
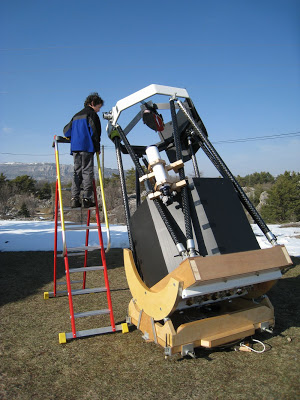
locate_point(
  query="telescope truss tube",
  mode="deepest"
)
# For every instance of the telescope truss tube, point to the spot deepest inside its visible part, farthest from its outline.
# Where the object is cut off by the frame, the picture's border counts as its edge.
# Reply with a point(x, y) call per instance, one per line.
point(218, 160)
point(184, 190)
point(137, 189)
point(159, 206)
point(195, 164)
point(124, 191)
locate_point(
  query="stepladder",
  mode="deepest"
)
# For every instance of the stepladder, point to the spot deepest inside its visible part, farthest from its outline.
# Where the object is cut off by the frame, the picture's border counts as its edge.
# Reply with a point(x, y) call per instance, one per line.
point(86, 282)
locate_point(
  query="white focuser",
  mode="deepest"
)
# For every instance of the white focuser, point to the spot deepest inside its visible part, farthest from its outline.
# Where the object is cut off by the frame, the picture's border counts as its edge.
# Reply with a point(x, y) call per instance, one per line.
point(158, 166)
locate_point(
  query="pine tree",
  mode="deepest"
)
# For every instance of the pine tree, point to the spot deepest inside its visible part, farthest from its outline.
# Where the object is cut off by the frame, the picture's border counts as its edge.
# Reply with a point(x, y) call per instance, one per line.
point(44, 193)
point(24, 212)
point(24, 184)
point(257, 178)
point(2, 179)
point(131, 180)
point(283, 204)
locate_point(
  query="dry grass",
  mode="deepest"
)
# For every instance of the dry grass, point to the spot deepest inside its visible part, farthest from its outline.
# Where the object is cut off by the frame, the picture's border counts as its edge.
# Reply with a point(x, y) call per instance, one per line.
point(122, 366)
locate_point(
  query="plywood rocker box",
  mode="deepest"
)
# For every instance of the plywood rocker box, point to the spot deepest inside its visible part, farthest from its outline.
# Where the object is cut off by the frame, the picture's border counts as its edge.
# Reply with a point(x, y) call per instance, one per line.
point(195, 270)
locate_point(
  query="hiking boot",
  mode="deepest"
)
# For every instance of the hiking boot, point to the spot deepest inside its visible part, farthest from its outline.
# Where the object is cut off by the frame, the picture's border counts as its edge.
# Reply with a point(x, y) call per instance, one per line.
point(87, 203)
point(75, 202)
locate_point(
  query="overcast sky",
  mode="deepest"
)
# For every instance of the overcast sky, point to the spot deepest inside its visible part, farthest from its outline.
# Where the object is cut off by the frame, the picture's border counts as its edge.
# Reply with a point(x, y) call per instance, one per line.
point(239, 61)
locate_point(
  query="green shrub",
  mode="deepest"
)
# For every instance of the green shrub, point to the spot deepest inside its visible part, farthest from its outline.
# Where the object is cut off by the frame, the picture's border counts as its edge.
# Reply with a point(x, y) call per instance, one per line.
point(24, 212)
point(283, 204)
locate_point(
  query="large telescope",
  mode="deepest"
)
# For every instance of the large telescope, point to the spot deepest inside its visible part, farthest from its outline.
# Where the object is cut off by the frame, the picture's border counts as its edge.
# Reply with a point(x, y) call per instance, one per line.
point(195, 270)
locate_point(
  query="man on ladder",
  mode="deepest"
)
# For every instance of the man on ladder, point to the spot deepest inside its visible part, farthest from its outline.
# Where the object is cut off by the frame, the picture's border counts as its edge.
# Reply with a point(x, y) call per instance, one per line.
point(84, 131)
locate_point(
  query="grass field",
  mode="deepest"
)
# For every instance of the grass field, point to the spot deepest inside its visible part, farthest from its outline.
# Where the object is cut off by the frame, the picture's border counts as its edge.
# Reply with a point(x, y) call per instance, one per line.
point(123, 366)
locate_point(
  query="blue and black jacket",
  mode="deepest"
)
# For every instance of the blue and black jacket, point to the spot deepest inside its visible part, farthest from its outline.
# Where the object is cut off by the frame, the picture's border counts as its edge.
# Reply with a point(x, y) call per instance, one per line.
point(84, 130)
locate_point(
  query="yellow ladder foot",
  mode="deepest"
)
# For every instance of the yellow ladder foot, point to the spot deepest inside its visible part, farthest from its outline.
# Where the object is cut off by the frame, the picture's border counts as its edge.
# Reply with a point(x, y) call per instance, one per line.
point(46, 295)
point(125, 328)
point(62, 338)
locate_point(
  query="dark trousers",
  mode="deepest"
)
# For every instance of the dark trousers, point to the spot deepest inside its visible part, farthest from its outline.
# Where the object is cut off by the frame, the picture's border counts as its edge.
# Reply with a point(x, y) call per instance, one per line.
point(83, 174)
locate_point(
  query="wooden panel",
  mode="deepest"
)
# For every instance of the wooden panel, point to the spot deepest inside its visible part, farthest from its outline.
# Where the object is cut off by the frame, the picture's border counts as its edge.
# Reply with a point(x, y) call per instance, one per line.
point(227, 337)
point(157, 305)
point(183, 273)
point(222, 324)
point(163, 332)
point(228, 265)
point(200, 269)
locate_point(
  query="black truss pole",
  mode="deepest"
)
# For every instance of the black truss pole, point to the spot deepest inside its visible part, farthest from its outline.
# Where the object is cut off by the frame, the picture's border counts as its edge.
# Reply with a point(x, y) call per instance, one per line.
point(184, 190)
point(194, 161)
point(137, 189)
point(148, 188)
point(225, 171)
point(124, 192)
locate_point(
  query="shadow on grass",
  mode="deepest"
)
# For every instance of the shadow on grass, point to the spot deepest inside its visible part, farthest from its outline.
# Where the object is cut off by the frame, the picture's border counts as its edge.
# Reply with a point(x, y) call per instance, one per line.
point(285, 297)
point(22, 274)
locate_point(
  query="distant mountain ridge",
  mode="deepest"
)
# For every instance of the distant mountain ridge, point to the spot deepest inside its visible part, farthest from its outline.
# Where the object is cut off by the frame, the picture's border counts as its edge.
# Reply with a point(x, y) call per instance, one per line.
point(44, 171)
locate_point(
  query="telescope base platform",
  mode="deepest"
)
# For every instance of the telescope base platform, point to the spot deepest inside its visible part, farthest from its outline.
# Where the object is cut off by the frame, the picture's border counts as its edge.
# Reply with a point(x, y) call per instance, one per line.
point(211, 326)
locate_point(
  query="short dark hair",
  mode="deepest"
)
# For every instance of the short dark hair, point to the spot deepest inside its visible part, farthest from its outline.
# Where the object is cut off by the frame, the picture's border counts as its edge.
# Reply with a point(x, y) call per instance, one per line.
point(93, 98)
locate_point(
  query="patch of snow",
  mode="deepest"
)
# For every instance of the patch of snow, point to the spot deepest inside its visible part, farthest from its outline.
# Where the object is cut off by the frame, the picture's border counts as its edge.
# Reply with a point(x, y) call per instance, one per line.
point(289, 236)
point(20, 235)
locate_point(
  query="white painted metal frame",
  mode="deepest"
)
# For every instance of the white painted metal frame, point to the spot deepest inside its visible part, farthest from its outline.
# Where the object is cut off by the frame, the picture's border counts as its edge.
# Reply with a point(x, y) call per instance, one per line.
point(143, 94)
point(231, 283)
